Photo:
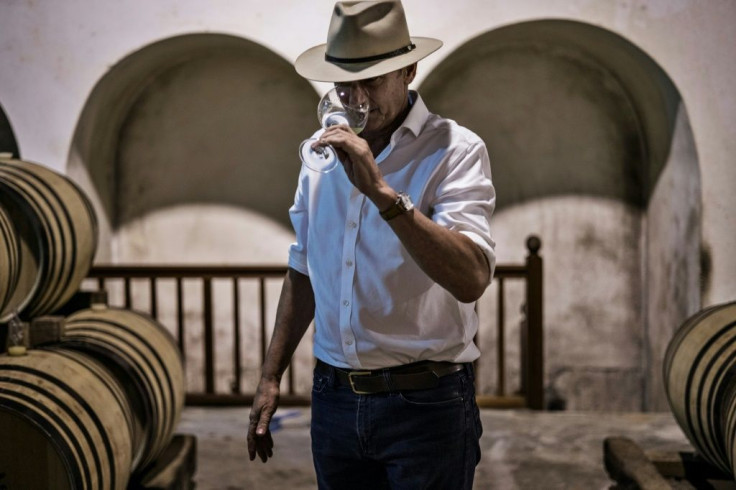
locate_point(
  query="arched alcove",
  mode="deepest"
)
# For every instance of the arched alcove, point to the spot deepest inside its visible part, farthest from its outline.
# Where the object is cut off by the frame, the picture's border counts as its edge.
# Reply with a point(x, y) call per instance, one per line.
point(7, 136)
point(188, 148)
point(591, 149)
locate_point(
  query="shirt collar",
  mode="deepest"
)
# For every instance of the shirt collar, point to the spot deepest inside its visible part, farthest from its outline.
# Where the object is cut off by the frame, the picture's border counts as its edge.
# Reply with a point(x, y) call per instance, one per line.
point(417, 115)
point(414, 122)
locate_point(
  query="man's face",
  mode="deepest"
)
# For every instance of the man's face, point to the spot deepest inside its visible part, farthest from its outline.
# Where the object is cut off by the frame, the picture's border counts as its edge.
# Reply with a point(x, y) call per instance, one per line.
point(388, 96)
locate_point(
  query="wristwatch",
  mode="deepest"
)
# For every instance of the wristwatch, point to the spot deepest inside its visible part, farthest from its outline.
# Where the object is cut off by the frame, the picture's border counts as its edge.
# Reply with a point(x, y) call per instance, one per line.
point(402, 205)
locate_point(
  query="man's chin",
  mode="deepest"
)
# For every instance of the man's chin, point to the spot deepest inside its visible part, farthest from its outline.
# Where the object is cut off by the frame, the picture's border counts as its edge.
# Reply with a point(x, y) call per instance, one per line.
point(369, 131)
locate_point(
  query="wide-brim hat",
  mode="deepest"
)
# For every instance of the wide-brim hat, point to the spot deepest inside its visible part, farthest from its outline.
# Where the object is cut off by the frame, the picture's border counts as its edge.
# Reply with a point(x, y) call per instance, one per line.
point(365, 40)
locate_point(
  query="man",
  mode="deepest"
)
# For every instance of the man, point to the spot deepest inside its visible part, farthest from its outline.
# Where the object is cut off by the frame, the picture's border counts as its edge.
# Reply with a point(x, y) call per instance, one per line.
point(391, 254)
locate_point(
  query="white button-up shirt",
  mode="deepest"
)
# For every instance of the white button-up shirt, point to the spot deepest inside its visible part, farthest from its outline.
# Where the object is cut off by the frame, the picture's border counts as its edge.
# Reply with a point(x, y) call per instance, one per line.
point(375, 307)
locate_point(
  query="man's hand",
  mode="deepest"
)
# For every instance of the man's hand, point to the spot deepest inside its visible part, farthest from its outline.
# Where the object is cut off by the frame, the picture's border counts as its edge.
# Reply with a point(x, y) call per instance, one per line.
point(264, 405)
point(356, 158)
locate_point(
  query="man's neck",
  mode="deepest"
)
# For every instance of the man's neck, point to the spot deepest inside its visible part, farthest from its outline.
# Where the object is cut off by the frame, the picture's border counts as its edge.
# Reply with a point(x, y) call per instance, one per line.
point(380, 139)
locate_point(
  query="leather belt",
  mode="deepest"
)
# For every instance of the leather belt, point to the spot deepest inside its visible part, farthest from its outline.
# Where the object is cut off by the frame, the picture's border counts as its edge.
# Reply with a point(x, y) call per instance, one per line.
point(420, 376)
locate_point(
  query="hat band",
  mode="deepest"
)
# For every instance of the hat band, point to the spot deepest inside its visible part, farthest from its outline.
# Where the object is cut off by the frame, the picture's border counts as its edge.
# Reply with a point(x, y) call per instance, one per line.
point(398, 52)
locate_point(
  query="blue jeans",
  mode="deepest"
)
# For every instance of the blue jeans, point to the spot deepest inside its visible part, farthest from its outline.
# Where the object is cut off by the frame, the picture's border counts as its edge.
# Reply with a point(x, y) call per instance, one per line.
point(426, 439)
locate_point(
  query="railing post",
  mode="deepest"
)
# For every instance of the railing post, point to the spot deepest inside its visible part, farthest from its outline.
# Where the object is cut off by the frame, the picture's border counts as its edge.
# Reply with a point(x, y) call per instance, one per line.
point(235, 386)
point(501, 342)
point(534, 319)
point(209, 338)
point(180, 315)
point(154, 297)
point(128, 294)
point(262, 298)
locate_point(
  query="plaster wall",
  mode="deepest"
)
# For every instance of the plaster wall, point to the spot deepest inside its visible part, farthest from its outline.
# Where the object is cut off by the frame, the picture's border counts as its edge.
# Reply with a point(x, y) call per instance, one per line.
point(673, 261)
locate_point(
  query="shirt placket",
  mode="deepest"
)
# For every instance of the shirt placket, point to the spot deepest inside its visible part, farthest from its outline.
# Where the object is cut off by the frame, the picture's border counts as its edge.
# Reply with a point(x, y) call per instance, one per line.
point(352, 226)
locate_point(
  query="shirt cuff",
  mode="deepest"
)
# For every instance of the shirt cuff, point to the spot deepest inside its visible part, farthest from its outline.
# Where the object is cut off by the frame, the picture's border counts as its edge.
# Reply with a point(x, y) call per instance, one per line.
point(298, 262)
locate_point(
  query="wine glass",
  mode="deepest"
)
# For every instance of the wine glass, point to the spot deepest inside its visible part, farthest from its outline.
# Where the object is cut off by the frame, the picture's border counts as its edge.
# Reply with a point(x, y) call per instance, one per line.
point(338, 106)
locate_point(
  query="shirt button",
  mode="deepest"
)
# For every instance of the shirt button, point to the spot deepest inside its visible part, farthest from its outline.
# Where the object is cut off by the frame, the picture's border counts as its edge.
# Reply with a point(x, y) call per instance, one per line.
point(345, 302)
point(352, 224)
point(349, 263)
point(349, 342)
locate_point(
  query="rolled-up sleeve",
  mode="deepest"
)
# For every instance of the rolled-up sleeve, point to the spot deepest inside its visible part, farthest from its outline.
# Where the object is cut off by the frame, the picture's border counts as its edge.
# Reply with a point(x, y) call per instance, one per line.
point(465, 199)
point(300, 222)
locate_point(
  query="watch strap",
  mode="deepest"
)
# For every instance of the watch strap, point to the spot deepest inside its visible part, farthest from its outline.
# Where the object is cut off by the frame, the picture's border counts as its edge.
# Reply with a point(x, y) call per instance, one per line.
point(398, 207)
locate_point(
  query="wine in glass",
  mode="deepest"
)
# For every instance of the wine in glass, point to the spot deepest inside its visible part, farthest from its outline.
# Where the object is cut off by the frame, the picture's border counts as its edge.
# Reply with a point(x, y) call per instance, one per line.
point(338, 106)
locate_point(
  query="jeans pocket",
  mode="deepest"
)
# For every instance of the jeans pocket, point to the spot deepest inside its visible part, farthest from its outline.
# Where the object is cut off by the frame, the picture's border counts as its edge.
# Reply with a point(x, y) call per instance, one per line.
point(319, 381)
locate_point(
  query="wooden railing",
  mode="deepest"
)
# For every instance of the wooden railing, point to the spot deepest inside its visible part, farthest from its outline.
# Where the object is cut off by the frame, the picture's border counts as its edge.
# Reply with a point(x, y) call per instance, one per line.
point(531, 334)
point(530, 394)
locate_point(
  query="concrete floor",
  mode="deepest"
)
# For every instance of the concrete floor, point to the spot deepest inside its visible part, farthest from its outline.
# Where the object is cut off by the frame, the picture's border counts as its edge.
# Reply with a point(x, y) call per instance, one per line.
point(521, 449)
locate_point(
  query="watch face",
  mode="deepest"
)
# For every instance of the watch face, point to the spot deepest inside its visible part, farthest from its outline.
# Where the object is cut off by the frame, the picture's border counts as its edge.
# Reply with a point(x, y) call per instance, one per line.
point(405, 202)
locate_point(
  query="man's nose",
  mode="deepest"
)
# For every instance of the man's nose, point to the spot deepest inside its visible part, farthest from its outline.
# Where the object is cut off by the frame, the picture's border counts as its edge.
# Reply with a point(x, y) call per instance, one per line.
point(358, 94)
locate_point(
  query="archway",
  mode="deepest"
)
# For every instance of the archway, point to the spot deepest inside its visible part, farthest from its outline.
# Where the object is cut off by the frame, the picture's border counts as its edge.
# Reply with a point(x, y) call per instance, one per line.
point(591, 149)
point(188, 149)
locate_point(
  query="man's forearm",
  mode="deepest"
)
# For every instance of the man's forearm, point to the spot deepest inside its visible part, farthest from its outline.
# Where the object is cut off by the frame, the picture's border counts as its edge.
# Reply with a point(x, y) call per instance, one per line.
point(450, 258)
point(293, 316)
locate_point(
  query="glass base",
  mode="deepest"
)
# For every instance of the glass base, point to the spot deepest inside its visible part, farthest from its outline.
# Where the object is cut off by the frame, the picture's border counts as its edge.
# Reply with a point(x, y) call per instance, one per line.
point(323, 160)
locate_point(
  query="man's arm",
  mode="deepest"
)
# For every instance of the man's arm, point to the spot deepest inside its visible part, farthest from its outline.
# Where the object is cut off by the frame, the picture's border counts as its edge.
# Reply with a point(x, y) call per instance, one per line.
point(293, 316)
point(450, 258)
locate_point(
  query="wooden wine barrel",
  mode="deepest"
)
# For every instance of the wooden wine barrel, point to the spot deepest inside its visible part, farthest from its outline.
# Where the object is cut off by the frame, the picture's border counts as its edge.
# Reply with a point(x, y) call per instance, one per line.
point(700, 382)
point(65, 423)
point(728, 415)
point(57, 230)
point(146, 359)
point(9, 261)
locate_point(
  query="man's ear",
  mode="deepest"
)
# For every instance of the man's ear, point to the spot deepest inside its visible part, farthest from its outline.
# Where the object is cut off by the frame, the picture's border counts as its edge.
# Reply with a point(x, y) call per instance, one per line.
point(409, 73)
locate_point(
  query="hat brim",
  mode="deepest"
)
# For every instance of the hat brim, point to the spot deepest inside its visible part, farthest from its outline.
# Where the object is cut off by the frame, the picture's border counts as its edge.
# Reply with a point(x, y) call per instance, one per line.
point(312, 65)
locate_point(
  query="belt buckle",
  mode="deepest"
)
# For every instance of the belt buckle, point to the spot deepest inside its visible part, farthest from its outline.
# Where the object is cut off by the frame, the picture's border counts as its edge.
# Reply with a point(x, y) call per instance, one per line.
point(352, 383)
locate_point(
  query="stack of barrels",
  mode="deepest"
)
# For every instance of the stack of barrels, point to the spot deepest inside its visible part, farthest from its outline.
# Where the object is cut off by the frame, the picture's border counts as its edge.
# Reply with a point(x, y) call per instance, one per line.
point(700, 382)
point(55, 238)
point(101, 403)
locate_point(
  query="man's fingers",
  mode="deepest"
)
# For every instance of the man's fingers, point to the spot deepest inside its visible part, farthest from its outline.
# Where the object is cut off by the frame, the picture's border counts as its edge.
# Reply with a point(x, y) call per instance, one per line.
point(252, 440)
point(260, 442)
point(260, 445)
point(265, 446)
